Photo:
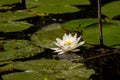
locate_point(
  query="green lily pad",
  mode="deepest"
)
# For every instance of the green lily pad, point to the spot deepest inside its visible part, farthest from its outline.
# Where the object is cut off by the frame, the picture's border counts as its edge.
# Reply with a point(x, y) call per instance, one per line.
point(111, 9)
point(111, 33)
point(13, 26)
point(43, 70)
point(19, 49)
point(15, 44)
point(6, 16)
point(33, 3)
point(55, 6)
point(6, 66)
point(55, 9)
point(47, 35)
point(79, 24)
point(22, 76)
point(8, 2)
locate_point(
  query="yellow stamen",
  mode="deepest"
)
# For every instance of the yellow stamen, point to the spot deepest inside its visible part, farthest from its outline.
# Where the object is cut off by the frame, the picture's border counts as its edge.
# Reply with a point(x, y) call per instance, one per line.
point(67, 42)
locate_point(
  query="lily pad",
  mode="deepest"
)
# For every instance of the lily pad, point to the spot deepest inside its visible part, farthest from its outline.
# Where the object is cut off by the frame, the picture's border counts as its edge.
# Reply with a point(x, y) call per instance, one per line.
point(6, 16)
point(79, 24)
point(19, 49)
point(111, 33)
point(33, 3)
point(9, 2)
point(43, 70)
point(13, 26)
point(55, 6)
point(6, 66)
point(47, 35)
point(55, 9)
point(15, 44)
point(22, 76)
point(111, 9)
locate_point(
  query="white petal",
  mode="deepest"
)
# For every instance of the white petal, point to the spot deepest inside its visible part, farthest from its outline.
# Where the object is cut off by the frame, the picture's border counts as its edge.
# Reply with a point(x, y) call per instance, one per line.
point(81, 43)
point(30, 71)
point(58, 40)
point(60, 52)
point(76, 50)
point(57, 50)
point(73, 46)
point(64, 48)
point(78, 39)
point(65, 36)
point(70, 36)
point(54, 48)
point(75, 36)
point(56, 44)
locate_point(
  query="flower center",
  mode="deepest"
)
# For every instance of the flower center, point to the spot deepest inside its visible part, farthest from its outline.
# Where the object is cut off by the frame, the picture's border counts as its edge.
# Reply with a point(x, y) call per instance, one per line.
point(67, 42)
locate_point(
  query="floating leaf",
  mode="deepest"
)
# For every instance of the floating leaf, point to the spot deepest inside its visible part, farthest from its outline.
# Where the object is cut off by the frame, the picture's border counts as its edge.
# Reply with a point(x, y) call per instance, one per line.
point(34, 3)
point(43, 70)
point(55, 9)
point(2, 8)
point(79, 24)
point(55, 6)
point(7, 25)
point(111, 9)
point(9, 2)
point(13, 26)
point(20, 53)
point(6, 66)
point(111, 33)
point(6, 16)
point(47, 35)
point(22, 76)
point(19, 49)
point(15, 44)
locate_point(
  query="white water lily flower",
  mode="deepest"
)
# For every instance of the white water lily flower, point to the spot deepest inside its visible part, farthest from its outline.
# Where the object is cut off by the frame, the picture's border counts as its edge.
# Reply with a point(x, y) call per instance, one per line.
point(68, 43)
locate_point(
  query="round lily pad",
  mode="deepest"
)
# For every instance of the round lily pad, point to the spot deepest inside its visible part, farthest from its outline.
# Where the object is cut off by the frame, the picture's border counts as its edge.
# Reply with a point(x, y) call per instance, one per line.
point(111, 33)
point(47, 35)
point(13, 26)
point(111, 9)
point(43, 70)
